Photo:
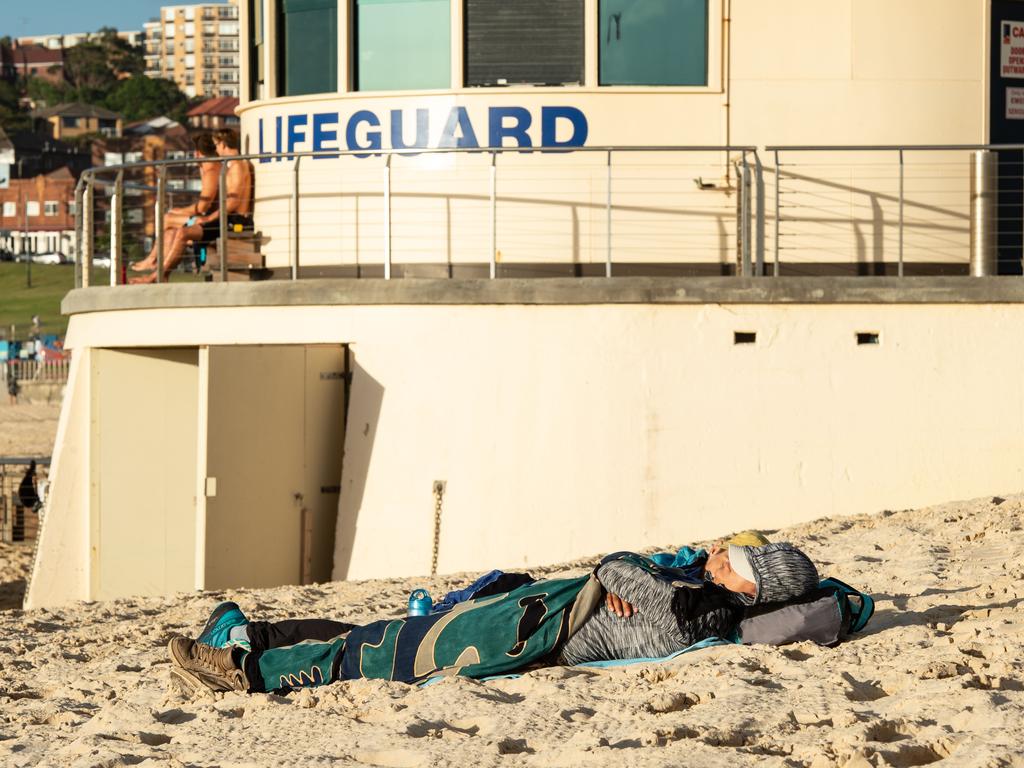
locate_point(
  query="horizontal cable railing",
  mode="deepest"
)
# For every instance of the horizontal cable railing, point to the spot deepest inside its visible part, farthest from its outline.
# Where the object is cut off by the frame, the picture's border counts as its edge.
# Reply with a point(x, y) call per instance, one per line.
point(612, 201)
point(602, 210)
point(897, 209)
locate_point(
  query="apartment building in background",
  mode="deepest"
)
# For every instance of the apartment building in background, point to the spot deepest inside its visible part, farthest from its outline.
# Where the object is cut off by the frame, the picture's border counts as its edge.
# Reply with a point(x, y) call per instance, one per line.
point(196, 46)
point(56, 42)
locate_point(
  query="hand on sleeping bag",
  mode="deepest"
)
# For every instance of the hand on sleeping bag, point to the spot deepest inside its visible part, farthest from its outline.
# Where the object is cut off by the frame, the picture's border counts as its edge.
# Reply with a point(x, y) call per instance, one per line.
point(618, 606)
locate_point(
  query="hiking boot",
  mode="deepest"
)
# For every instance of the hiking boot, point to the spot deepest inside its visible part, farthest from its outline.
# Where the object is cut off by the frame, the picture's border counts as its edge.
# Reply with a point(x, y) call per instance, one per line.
point(197, 666)
point(217, 632)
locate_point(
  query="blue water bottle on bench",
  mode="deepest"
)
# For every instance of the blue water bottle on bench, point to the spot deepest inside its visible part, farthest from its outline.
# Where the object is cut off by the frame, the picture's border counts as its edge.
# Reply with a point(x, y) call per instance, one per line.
point(420, 603)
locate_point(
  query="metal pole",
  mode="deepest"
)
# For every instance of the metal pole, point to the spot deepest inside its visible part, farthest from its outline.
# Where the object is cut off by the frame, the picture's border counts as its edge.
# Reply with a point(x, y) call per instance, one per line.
point(744, 228)
point(387, 218)
point(759, 218)
point(295, 219)
point(88, 231)
point(24, 242)
point(116, 227)
point(494, 216)
point(778, 220)
point(161, 183)
point(79, 200)
point(222, 212)
point(983, 213)
point(900, 267)
point(608, 220)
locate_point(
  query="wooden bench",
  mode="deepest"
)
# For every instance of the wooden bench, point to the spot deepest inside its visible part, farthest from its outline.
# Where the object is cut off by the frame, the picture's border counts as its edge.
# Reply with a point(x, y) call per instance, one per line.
point(244, 260)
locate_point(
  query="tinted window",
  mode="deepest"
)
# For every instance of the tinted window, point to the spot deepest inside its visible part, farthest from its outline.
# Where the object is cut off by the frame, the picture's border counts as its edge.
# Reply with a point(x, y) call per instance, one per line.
point(403, 44)
point(308, 46)
point(653, 42)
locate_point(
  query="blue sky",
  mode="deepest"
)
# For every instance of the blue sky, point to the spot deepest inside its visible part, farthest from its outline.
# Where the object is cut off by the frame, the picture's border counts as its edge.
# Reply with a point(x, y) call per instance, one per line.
point(42, 17)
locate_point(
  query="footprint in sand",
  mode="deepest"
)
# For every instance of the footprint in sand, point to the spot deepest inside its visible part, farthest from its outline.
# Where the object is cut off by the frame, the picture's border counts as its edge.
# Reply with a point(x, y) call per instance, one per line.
point(865, 690)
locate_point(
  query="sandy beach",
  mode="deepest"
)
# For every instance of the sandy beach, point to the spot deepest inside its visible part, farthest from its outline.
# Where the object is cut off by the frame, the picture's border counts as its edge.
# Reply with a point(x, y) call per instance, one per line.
point(938, 675)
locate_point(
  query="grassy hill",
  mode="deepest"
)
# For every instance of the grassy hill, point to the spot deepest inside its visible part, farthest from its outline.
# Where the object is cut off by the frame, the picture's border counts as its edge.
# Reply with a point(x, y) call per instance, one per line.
point(49, 284)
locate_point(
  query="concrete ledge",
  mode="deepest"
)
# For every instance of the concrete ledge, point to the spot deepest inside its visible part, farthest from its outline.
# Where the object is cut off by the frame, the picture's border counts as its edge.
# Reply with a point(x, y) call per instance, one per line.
point(575, 291)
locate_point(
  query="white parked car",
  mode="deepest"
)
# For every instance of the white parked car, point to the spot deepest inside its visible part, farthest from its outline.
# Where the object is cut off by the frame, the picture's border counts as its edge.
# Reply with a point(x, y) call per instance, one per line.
point(48, 258)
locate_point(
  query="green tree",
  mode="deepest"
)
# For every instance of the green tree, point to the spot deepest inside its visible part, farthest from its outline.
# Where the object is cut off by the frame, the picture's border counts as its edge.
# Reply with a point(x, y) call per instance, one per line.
point(87, 71)
point(12, 117)
point(141, 97)
point(123, 58)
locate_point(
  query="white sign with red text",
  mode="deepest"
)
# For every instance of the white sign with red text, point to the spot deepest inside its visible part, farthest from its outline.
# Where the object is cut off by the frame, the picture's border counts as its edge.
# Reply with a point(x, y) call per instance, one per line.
point(1011, 60)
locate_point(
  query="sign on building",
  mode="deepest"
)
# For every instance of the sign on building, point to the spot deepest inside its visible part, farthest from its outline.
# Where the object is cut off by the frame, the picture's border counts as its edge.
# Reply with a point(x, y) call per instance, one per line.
point(1015, 103)
point(1011, 61)
point(5, 175)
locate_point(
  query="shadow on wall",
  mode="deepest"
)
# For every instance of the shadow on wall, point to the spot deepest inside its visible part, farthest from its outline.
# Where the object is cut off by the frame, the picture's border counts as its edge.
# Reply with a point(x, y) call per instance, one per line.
point(365, 397)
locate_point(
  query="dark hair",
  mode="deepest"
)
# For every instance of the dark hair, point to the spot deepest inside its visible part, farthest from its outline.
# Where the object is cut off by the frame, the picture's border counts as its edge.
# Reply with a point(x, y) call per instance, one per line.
point(227, 137)
point(203, 142)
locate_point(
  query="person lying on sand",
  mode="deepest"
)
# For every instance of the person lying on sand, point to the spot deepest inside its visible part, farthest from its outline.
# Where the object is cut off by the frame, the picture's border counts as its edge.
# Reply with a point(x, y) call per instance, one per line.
point(562, 621)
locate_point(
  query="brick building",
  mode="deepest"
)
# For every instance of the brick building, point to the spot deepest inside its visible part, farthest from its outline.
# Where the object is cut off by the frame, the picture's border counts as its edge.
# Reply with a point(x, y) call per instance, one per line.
point(145, 141)
point(37, 215)
point(214, 113)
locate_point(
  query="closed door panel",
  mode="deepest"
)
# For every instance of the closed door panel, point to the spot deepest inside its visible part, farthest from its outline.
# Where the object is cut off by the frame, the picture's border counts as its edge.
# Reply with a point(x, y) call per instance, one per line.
point(254, 466)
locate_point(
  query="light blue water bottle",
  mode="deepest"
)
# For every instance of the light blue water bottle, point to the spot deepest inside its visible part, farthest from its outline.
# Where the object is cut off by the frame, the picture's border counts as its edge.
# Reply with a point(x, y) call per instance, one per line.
point(420, 603)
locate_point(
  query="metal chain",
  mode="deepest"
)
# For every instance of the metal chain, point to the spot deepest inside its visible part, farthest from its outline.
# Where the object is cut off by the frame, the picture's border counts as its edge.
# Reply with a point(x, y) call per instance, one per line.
point(438, 496)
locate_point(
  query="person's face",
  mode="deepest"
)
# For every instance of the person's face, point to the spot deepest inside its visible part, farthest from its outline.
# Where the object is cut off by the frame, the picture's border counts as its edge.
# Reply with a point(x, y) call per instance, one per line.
point(719, 570)
point(221, 147)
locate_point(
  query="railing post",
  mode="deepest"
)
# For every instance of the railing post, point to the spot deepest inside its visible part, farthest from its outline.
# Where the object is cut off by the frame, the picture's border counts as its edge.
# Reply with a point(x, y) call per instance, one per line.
point(744, 223)
point(116, 227)
point(899, 268)
point(295, 218)
point(387, 218)
point(158, 221)
point(88, 231)
point(608, 219)
point(222, 213)
point(759, 216)
point(984, 221)
point(79, 201)
point(778, 217)
point(494, 216)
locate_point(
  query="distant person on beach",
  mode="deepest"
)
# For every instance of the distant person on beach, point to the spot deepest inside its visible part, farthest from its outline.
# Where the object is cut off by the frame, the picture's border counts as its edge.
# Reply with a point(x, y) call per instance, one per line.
point(206, 228)
point(12, 384)
point(186, 216)
point(564, 621)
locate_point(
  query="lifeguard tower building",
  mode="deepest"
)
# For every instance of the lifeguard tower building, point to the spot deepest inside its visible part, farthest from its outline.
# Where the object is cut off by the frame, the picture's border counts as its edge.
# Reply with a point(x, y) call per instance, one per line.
point(541, 279)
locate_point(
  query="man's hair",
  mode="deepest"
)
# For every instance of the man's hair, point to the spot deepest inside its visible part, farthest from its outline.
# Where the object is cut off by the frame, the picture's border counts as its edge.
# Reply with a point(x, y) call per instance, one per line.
point(203, 142)
point(228, 137)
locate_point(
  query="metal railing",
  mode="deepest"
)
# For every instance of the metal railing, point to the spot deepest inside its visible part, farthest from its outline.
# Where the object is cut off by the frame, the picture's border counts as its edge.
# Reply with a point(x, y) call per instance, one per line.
point(738, 161)
point(941, 204)
point(865, 207)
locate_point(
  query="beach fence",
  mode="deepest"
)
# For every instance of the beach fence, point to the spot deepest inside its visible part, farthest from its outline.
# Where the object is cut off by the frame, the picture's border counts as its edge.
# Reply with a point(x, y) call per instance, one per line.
point(19, 512)
point(50, 371)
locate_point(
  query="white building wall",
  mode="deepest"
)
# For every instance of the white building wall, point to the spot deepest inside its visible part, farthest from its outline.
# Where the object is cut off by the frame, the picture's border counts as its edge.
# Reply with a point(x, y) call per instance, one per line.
point(564, 431)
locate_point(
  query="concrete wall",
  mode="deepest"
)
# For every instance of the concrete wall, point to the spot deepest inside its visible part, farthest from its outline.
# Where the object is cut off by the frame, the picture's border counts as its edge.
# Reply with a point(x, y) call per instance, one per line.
point(566, 430)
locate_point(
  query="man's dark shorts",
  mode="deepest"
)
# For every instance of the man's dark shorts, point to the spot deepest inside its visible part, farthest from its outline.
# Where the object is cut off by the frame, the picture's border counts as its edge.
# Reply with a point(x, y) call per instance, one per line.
point(211, 229)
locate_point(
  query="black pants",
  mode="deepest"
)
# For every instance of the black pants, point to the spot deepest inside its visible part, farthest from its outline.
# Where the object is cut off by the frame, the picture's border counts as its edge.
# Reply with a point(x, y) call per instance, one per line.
point(264, 635)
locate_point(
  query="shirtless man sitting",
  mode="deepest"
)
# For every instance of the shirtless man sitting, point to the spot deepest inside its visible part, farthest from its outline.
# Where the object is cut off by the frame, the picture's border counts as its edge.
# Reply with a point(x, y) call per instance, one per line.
point(186, 216)
point(206, 228)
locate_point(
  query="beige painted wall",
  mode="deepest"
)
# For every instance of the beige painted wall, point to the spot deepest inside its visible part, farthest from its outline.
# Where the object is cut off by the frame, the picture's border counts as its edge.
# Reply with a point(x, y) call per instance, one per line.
point(63, 549)
point(608, 427)
point(789, 72)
